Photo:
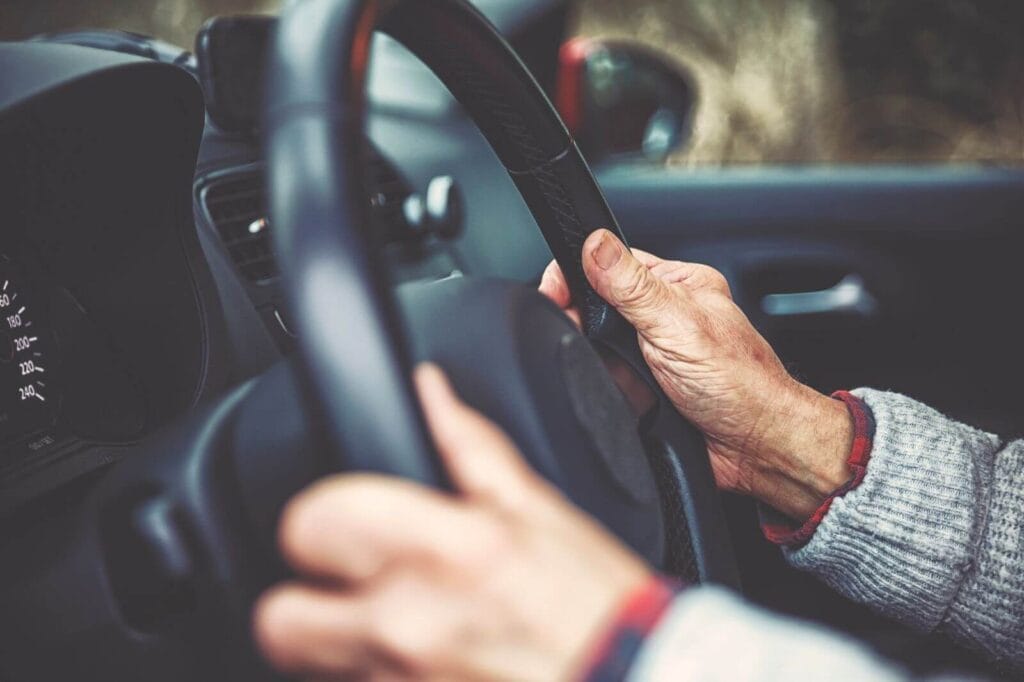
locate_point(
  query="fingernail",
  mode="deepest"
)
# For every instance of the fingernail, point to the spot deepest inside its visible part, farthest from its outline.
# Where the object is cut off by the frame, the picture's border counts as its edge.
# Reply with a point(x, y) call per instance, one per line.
point(608, 252)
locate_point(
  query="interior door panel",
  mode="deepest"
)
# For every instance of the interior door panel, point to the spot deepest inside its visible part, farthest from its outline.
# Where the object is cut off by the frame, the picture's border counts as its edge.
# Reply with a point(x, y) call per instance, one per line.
point(920, 268)
point(895, 278)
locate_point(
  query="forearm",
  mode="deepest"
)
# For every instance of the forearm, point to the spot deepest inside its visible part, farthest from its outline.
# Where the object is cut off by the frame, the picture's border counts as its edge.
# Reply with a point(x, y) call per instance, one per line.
point(934, 535)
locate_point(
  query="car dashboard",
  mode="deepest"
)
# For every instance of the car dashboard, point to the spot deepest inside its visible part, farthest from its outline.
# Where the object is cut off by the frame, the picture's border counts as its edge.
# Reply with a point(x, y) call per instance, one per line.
point(136, 255)
point(139, 286)
point(106, 323)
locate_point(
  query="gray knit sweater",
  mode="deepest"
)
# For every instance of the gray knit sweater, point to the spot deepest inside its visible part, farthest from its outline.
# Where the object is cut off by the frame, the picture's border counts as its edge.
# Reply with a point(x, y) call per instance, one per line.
point(933, 537)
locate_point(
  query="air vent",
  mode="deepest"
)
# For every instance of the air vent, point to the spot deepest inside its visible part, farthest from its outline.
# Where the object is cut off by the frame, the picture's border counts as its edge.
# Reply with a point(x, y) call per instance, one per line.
point(237, 207)
point(388, 191)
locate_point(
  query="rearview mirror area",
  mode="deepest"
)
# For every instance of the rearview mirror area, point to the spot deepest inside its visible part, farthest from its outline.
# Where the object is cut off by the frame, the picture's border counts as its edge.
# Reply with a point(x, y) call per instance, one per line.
point(624, 102)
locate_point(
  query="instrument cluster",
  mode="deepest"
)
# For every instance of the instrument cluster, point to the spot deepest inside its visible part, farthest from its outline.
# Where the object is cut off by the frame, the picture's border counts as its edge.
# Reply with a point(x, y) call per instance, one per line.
point(28, 395)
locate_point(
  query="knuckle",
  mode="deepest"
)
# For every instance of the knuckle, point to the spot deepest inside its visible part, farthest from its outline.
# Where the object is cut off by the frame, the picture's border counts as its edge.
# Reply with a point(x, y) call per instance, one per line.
point(712, 278)
point(271, 625)
point(636, 288)
point(413, 643)
point(296, 528)
point(718, 280)
point(382, 627)
point(316, 510)
point(490, 542)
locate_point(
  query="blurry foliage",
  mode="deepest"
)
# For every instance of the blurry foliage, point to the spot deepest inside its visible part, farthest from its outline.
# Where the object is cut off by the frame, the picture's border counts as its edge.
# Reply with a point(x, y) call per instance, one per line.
point(779, 80)
point(953, 52)
point(839, 80)
point(175, 21)
point(933, 77)
point(765, 71)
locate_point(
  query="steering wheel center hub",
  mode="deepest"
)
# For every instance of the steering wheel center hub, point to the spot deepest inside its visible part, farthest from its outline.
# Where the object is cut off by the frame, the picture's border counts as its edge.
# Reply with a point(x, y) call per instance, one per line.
point(515, 357)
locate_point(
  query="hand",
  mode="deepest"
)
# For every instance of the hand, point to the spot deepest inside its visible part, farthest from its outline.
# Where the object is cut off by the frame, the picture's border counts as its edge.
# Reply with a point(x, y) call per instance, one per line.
point(767, 435)
point(505, 580)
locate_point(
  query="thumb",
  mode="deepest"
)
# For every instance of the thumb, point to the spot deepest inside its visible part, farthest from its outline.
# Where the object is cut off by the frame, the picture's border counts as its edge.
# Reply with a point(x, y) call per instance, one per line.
point(481, 460)
point(624, 282)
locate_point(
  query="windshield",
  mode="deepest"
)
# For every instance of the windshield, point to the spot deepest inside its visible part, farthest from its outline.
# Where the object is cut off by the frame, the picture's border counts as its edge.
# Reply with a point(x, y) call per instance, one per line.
point(777, 81)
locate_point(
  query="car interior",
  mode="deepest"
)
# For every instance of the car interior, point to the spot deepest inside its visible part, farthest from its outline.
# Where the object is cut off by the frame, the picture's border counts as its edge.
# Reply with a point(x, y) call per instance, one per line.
point(219, 264)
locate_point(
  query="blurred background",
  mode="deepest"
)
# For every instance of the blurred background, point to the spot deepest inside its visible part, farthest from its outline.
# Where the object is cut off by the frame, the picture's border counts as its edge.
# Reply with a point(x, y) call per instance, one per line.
point(777, 81)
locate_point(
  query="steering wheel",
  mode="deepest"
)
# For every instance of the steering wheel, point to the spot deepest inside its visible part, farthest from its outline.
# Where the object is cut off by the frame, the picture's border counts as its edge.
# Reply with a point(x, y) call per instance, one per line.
point(508, 351)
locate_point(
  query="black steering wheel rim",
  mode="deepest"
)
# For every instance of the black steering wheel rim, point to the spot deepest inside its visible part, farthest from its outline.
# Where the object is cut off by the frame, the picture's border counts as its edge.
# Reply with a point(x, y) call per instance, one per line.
point(353, 349)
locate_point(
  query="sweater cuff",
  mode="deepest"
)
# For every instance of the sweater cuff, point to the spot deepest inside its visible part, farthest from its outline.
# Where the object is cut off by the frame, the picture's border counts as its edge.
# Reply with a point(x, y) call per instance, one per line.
point(711, 634)
point(779, 530)
point(903, 541)
point(639, 614)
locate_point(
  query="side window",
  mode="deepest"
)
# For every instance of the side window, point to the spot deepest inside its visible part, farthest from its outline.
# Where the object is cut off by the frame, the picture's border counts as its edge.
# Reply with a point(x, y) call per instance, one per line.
point(175, 21)
point(833, 81)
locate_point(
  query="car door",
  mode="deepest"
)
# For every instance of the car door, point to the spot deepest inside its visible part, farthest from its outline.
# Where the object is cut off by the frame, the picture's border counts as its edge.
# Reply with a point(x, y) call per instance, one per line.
point(883, 262)
point(903, 279)
point(896, 278)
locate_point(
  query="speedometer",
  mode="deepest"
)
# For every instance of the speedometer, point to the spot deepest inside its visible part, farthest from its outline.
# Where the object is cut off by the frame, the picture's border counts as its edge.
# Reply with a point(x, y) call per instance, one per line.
point(26, 397)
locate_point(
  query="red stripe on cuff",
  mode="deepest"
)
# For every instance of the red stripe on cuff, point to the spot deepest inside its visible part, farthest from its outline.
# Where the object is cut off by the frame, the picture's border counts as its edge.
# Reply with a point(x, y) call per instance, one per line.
point(617, 649)
point(860, 453)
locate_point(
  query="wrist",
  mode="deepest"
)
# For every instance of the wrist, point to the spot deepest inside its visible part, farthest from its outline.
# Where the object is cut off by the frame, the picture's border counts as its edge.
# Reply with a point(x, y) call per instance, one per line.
point(613, 654)
point(803, 452)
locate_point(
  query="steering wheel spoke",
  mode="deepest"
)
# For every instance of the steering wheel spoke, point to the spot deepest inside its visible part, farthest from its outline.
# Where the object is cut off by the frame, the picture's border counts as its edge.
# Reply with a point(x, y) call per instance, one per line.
point(352, 342)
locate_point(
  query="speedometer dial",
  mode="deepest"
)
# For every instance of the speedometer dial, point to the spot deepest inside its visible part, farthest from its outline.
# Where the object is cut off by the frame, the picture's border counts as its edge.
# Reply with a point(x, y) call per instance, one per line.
point(26, 397)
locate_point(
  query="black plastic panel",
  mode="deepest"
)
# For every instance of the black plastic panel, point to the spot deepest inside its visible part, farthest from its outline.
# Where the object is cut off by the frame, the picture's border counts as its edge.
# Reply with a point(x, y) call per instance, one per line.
point(937, 247)
point(95, 185)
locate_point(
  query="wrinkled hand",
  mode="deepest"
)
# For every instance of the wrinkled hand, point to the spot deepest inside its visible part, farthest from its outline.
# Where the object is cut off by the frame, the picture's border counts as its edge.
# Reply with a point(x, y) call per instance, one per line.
point(767, 435)
point(505, 581)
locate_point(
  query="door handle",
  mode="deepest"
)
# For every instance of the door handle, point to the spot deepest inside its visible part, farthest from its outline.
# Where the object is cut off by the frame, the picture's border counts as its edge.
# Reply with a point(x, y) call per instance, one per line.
point(849, 297)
